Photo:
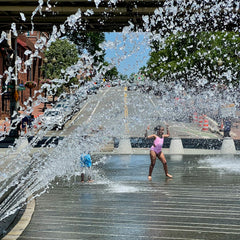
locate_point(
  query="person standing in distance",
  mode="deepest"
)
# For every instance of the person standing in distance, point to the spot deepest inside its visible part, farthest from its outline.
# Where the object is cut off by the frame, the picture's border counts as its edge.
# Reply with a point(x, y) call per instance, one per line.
point(227, 127)
point(156, 150)
point(86, 164)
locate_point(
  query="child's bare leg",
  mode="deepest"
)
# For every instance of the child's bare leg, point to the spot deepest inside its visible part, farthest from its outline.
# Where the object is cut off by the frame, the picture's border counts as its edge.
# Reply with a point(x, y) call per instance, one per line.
point(164, 162)
point(82, 177)
point(89, 179)
point(152, 164)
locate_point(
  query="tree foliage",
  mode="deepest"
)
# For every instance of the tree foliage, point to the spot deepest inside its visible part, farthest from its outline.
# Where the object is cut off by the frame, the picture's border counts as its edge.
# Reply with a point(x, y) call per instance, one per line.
point(89, 42)
point(211, 56)
point(111, 73)
point(60, 55)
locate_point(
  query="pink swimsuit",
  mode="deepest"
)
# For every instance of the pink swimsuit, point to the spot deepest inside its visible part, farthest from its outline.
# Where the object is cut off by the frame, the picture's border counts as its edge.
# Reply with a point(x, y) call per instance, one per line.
point(157, 145)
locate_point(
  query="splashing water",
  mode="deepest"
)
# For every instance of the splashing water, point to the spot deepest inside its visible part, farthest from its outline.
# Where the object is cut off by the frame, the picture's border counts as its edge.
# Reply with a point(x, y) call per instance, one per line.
point(224, 164)
point(31, 173)
point(122, 188)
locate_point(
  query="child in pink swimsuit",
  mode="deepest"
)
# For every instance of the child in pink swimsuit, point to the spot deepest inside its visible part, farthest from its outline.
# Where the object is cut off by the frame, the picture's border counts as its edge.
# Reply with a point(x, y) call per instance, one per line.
point(156, 150)
point(157, 145)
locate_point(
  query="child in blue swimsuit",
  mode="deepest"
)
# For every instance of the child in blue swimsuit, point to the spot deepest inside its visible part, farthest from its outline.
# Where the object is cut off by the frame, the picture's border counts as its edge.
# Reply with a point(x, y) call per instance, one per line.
point(85, 162)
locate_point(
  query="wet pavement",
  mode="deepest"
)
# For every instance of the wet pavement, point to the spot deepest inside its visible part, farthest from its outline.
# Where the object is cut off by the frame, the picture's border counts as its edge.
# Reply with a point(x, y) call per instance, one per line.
point(200, 202)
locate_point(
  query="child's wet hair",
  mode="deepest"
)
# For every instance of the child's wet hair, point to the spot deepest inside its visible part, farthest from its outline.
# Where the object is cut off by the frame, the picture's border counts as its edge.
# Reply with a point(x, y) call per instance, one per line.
point(158, 127)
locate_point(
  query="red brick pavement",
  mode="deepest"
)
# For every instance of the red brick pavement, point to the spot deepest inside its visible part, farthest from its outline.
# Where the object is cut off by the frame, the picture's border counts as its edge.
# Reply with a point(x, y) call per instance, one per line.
point(38, 110)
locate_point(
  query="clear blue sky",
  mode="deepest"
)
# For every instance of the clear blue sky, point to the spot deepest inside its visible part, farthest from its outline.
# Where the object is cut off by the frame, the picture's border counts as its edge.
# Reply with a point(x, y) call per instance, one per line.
point(128, 52)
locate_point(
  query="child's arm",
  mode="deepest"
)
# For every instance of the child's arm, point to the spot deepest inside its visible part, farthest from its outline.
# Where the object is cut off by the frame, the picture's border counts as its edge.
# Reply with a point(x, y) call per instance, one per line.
point(151, 136)
point(146, 132)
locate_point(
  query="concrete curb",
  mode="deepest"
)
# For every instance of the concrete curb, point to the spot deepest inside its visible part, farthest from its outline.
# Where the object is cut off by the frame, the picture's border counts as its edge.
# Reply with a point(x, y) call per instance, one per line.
point(228, 146)
point(176, 146)
point(124, 146)
point(166, 151)
point(23, 222)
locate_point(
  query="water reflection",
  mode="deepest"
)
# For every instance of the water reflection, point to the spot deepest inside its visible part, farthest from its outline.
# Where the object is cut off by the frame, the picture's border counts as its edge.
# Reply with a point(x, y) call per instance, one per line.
point(198, 203)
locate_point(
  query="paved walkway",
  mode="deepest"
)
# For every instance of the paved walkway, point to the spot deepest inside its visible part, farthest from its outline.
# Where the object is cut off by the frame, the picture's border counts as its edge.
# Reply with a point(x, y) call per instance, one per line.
point(200, 202)
point(38, 110)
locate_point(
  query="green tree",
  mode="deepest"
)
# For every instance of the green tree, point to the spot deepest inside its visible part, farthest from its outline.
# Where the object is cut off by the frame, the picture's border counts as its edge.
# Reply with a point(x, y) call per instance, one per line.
point(123, 77)
point(58, 57)
point(89, 42)
point(111, 73)
point(212, 56)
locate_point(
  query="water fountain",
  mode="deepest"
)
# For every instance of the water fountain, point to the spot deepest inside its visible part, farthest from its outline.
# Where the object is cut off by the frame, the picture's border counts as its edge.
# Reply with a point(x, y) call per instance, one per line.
point(31, 172)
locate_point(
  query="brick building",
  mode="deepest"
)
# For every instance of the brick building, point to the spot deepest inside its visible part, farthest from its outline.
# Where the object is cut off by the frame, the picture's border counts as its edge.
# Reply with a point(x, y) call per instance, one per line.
point(30, 72)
